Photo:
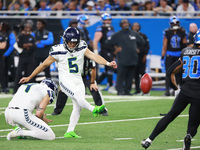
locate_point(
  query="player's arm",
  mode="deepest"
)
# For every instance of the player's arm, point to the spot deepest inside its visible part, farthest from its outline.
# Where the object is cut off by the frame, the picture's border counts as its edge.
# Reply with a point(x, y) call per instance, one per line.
point(97, 37)
point(98, 59)
point(164, 48)
point(174, 69)
point(48, 61)
point(41, 109)
point(93, 84)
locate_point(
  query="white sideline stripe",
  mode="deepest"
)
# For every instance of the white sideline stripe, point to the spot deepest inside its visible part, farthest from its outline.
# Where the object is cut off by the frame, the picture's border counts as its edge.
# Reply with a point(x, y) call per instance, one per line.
point(111, 121)
point(117, 139)
point(182, 148)
point(182, 140)
point(117, 99)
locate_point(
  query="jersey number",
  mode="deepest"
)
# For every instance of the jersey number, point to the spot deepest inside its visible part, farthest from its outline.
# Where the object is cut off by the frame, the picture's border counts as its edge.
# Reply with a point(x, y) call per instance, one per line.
point(28, 87)
point(73, 68)
point(191, 67)
point(175, 41)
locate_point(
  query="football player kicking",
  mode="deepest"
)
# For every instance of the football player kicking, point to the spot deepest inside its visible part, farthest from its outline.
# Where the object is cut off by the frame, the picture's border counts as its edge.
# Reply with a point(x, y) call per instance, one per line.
point(19, 111)
point(189, 64)
point(70, 58)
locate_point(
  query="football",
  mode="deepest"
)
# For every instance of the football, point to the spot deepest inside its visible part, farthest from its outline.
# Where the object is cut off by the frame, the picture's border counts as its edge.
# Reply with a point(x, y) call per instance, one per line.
point(146, 83)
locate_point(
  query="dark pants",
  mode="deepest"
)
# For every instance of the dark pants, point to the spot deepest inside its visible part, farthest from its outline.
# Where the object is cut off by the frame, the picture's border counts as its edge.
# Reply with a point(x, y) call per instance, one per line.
point(139, 72)
point(46, 70)
point(168, 62)
point(2, 72)
point(62, 97)
point(26, 64)
point(178, 106)
point(9, 68)
point(125, 75)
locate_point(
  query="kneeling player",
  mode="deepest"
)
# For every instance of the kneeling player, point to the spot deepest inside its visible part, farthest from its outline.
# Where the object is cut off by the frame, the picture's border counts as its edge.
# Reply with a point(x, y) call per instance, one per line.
point(19, 111)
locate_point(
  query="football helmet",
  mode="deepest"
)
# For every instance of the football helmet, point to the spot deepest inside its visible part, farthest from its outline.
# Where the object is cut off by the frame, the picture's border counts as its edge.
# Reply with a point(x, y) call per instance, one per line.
point(197, 37)
point(82, 18)
point(106, 16)
point(53, 88)
point(71, 34)
point(174, 23)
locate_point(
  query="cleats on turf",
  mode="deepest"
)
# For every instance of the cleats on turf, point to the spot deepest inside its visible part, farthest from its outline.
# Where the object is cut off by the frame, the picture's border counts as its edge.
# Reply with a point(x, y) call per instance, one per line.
point(97, 110)
point(71, 134)
point(13, 133)
point(187, 142)
point(145, 144)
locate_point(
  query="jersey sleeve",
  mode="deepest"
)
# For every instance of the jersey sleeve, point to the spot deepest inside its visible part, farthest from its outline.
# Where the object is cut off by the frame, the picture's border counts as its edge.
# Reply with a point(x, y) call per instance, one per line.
point(56, 50)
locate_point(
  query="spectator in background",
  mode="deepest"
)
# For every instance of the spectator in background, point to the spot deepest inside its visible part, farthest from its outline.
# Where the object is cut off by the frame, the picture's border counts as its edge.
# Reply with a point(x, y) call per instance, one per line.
point(122, 6)
point(2, 6)
point(126, 41)
point(82, 5)
point(187, 8)
point(135, 7)
point(44, 40)
point(43, 7)
point(90, 7)
point(148, 6)
point(72, 7)
point(103, 6)
point(15, 5)
point(2, 62)
point(163, 9)
point(59, 7)
point(26, 42)
point(101, 35)
point(8, 53)
point(193, 29)
point(143, 52)
point(175, 39)
point(196, 5)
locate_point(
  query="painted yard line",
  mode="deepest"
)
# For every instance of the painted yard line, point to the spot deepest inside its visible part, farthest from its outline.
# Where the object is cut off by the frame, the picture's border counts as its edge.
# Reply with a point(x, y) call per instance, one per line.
point(183, 140)
point(116, 101)
point(117, 139)
point(182, 148)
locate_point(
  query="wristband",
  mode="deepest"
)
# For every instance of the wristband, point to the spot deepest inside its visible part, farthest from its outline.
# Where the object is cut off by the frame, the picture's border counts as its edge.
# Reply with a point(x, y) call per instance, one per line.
point(108, 64)
point(162, 57)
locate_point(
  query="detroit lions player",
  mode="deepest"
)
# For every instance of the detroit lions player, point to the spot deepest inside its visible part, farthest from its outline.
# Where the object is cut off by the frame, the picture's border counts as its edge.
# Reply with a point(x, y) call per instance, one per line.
point(70, 58)
point(189, 65)
point(19, 111)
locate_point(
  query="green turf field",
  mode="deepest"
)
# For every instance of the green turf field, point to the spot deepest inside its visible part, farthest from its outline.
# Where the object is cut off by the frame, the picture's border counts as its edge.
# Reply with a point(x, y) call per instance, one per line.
point(131, 119)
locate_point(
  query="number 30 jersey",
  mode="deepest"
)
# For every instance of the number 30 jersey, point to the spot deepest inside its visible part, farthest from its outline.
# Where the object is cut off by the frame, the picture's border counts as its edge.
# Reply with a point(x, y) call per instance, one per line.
point(191, 72)
point(70, 64)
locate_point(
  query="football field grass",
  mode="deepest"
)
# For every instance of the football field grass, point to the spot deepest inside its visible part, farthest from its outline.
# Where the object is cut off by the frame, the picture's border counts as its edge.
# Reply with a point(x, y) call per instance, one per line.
point(131, 119)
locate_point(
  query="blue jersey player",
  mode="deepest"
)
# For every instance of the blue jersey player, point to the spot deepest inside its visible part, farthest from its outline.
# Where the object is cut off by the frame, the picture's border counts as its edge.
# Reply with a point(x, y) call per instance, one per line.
point(189, 64)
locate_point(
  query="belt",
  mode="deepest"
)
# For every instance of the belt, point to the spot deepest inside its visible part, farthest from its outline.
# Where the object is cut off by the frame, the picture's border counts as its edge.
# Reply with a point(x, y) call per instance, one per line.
point(13, 107)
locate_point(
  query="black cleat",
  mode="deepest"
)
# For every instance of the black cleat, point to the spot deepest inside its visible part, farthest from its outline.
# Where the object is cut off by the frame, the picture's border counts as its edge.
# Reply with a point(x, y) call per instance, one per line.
point(187, 142)
point(54, 114)
point(145, 144)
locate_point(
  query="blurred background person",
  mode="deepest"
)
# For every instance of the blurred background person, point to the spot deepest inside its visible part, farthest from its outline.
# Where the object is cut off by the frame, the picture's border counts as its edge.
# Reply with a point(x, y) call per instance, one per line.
point(44, 40)
point(106, 51)
point(185, 7)
point(143, 52)
point(125, 42)
point(26, 64)
point(163, 9)
point(175, 39)
point(8, 53)
point(192, 30)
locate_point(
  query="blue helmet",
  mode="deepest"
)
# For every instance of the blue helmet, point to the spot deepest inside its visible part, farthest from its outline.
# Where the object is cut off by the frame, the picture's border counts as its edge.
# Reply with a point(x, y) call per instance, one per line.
point(71, 34)
point(82, 18)
point(197, 37)
point(53, 88)
point(174, 22)
point(106, 16)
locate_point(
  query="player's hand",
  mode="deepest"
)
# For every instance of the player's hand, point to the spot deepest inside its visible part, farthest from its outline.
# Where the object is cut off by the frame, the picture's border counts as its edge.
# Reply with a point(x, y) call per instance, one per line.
point(113, 64)
point(24, 80)
point(94, 86)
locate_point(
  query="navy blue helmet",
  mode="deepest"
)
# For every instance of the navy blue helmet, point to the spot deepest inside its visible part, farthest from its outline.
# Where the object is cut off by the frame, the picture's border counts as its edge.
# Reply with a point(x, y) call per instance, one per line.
point(174, 22)
point(53, 86)
point(71, 34)
point(197, 37)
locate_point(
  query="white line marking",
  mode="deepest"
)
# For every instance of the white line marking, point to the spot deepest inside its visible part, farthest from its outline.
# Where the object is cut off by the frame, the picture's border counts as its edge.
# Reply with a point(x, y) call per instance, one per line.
point(182, 148)
point(117, 139)
point(183, 140)
point(61, 137)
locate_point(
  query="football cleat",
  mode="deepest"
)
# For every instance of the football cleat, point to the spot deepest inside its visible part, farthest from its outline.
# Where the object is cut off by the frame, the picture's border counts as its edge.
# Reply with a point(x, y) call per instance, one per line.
point(145, 144)
point(187, 142)
point(13, 133)
point(97, 110)
point(71, 134)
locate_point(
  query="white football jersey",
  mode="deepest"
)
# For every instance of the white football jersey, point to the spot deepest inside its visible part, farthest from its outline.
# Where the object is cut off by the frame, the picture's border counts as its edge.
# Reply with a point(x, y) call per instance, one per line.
point(29, 96)
point(70, 64)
